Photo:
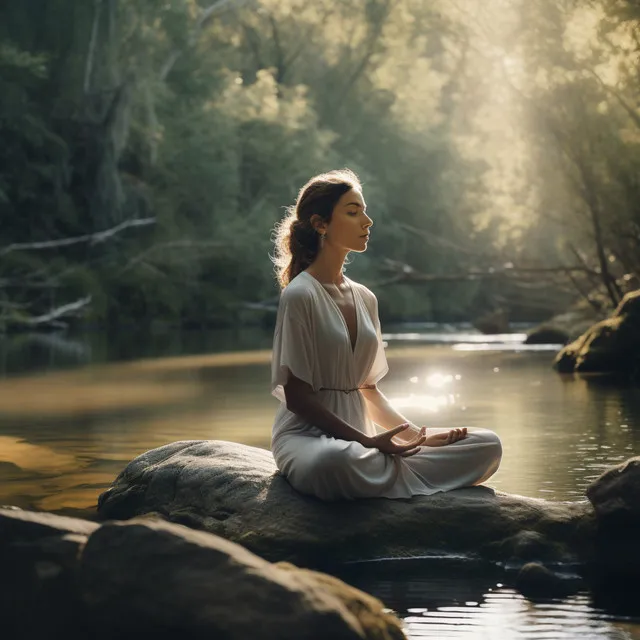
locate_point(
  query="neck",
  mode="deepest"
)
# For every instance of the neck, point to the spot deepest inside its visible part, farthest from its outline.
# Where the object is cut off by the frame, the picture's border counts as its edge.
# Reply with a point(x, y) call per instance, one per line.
point(328, 265)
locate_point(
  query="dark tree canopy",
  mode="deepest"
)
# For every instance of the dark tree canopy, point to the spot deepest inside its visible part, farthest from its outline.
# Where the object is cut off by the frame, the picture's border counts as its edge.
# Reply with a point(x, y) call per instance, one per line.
point(149, 149)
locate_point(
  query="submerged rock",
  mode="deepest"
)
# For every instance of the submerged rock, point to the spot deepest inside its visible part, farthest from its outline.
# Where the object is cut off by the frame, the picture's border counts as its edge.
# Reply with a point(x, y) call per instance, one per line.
point(147, 578)
point(535, 581)
point(235, 491)
point(547, 334)
point(609, 346)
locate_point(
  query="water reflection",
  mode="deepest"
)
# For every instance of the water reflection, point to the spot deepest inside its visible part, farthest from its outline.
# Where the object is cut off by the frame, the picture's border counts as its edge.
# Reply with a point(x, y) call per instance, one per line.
point(425, 401)
point(65, 435)
point(479, 603)
point(457, 337)
point(30, 457)
point(558, 433)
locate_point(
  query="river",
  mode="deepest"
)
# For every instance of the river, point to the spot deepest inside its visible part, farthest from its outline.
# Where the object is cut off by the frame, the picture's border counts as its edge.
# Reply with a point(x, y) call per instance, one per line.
point(73, 412)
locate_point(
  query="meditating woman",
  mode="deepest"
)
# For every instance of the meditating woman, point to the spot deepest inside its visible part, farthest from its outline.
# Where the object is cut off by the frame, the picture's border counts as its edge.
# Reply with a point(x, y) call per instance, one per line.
point(328, 357)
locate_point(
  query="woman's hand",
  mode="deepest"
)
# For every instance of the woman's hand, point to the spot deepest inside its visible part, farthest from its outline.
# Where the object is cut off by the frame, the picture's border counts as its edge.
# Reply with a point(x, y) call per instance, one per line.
point(411, 433)
point(384, 442)
point(446, 437)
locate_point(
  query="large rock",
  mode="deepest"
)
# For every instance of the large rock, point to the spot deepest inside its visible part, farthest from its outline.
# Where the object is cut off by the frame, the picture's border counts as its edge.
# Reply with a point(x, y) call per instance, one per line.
point(148, 578)
point(39, 555)
point(615, 496)
point(158, 577)
point(234, 491)
point(609, 346)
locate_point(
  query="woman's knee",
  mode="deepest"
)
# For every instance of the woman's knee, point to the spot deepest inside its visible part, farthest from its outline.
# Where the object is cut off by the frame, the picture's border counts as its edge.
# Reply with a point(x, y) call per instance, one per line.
point(485, 435)
point(489, 439)
point(496, 446)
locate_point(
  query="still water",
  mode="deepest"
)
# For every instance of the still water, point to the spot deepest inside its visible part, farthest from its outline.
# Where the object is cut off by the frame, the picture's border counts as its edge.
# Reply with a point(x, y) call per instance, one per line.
point(73, 413)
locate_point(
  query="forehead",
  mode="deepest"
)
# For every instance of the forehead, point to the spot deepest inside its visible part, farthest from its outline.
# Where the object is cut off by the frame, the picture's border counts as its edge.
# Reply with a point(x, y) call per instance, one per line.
point(350, 197)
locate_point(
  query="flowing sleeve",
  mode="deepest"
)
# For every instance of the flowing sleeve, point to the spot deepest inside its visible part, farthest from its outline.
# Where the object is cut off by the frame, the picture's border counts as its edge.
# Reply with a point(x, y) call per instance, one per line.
point(293, 346)
point(379, 367)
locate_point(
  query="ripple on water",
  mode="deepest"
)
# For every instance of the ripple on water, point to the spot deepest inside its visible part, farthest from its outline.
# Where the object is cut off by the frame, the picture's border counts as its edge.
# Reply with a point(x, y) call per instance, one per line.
point(506, 614)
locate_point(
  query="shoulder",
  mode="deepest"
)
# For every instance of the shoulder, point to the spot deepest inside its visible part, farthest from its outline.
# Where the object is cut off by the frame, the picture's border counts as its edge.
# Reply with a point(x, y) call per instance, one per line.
point(366, 294)
point(297, 293)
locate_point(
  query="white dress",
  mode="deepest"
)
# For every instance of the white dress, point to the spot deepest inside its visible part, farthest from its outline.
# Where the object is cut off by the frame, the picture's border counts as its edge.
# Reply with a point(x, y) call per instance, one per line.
point(312, 341)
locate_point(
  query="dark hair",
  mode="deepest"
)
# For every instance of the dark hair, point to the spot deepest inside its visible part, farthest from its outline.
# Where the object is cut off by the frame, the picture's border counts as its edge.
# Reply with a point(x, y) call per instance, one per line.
point(296, 241)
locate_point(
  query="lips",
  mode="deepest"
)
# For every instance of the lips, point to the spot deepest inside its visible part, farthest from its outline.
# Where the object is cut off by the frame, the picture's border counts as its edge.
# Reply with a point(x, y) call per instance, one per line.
point(366, 235)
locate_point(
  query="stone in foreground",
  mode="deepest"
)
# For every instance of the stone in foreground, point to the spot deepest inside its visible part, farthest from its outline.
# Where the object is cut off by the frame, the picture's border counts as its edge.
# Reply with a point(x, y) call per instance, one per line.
point(235, 491)
point(147, 578)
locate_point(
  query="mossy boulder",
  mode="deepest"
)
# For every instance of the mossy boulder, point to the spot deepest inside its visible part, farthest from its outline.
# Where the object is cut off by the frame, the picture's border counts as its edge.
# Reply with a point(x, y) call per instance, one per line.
point(609, 346)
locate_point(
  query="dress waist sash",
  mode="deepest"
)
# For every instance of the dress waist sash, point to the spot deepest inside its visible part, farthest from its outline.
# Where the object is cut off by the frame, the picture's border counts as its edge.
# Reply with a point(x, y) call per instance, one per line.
point(365, 386)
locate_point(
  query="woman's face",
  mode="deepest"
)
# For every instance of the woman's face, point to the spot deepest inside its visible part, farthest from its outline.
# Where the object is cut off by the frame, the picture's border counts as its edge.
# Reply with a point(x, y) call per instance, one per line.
point(349, 226)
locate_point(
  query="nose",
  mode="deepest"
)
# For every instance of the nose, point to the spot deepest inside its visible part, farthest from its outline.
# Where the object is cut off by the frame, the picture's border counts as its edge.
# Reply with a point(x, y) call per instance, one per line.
point(368, 223)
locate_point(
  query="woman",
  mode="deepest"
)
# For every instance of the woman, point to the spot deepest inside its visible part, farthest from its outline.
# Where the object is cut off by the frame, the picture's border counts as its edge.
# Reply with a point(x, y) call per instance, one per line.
point(328, 357)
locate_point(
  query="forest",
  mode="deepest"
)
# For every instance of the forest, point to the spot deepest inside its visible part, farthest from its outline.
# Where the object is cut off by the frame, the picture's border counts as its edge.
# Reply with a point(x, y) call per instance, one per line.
point(149, 147)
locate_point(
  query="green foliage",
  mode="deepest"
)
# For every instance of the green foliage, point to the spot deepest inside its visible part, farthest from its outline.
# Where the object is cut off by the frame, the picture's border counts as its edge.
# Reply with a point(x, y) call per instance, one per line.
point(584, 135)
point(113, 111)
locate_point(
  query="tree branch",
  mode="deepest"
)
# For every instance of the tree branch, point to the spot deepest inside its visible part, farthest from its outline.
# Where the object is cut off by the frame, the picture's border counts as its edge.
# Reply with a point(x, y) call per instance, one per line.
point(407, 275)
point(50, 318)
point(92, 46)
point(631, 112)
point(91, 238)
point(59, 312)
point(205, 16)
point(374, 33)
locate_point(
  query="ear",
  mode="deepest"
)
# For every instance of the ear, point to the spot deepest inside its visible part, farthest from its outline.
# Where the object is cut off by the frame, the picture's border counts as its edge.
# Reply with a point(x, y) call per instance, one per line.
point(317, 222)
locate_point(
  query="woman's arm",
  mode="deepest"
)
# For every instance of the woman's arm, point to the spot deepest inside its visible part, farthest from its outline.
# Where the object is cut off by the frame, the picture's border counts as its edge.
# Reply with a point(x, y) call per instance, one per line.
point(382, 413)
point(303, 401)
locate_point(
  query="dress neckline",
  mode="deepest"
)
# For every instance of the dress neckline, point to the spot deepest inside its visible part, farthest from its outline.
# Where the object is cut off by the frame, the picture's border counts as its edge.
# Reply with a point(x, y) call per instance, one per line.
point(352, 346)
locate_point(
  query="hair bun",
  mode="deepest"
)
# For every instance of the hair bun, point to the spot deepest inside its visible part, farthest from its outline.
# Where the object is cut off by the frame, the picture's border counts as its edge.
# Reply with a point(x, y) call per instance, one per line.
point(301, 229)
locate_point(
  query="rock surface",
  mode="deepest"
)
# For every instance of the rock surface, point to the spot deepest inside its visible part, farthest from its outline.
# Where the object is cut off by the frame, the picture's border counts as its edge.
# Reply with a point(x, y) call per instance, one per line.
point(234, 491)
point(157, 577)
point(39, 556)
point(572, 323)
point(147, 578)
point(609, 346)
point(537, 582)
point(615, 496)
point(547, 334)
